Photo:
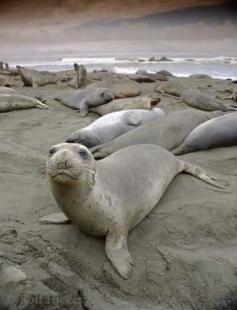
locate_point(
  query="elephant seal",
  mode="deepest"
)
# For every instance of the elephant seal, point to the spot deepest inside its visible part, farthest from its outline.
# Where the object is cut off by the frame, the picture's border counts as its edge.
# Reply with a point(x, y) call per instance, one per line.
point(36, 78)
point(81, 74)
point(199, 100)
point(141, 102)
point(112, 125)
point(168, 133)
point(84, 99)
point(112, 196)
point(172, 88)
point(140, 78)
point(11, 102)
point(6, 90)
point(217, 132)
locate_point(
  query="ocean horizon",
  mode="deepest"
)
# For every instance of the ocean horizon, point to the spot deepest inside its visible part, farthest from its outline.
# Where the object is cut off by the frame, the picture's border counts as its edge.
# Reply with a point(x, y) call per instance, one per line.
point(223, 67)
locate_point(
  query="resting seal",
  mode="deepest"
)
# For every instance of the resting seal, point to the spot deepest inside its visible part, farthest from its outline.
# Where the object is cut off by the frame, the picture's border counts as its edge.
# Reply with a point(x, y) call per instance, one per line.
point(11, 102)
point(112, 196)
point(84, 99)
point(36, 78)
point(141, 102)
point(217, 132)
point(172, 88)
point(199, 100)
point(169, 132)
point(112, 125)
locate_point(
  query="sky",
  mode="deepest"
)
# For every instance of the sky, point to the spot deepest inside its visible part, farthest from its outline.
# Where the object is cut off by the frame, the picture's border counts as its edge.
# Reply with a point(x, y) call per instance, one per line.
point(117, 26)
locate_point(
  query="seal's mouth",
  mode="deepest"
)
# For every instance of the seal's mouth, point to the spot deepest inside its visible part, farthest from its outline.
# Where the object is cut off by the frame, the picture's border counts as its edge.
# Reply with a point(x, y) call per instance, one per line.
point(62, 175)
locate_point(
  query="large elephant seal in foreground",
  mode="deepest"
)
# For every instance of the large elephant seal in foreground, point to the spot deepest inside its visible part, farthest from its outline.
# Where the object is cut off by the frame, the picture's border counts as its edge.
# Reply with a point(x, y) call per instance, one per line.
point(36, 78)
point(112, 196)
point(11, 102)
point(199, 100)
point(112, 125)
point(217, 132)
point(169, 132)
point(141, 102)
point(84, 99)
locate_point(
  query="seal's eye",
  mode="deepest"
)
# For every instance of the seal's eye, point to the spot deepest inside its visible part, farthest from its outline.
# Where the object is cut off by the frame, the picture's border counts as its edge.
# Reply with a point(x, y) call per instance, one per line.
point(52, 151)
point(83, 154)
point(102, 94)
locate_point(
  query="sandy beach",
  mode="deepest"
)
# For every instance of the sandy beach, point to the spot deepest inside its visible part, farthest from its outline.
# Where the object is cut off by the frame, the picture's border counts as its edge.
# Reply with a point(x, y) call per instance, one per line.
point(185, 251)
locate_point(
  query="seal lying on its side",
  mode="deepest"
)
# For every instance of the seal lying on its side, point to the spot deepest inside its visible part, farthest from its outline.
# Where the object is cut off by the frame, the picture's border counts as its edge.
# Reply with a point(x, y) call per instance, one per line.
point(36, 78)
point(6, 90)
point(199, 100)
point(217, 132)
point(169, 132)
point(141, 102)
point(112, 125)
point(112, 196)
point(86, 98)
point(11, 102)
point(172, 88)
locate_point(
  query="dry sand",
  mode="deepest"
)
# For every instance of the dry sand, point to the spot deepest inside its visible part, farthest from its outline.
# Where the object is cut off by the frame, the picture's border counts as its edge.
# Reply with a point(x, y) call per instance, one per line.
point(185, 251)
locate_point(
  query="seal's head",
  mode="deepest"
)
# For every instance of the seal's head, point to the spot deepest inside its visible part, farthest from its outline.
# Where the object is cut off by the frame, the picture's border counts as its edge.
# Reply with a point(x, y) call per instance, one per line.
point(70, 163)
point(100, 96)
point(83, 137)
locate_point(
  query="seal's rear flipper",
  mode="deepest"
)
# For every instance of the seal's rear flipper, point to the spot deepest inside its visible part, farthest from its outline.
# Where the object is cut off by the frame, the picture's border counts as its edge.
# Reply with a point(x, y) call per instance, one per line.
point(204, 175)
point(56, 218)
point(41, 105)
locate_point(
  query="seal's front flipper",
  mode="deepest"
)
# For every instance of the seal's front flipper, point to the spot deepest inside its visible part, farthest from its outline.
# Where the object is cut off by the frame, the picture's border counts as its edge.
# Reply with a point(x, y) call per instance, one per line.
point(116, 249)
point(56, 218)
point(84, 109)
point(132, 120)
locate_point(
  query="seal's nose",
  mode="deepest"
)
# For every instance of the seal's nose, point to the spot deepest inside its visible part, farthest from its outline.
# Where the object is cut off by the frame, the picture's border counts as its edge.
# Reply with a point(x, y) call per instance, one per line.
point(64, 164)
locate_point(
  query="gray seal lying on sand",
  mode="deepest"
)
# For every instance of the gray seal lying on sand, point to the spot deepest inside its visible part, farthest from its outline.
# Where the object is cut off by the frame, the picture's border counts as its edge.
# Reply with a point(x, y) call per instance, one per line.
point(169, 132)
point(112, 196)
point(11, 102)
point(112, 125)
point(84, 99)
point(141, 102)
point(6, 90)
point(199, 100)
point(36, 78)
point(172, 88)
point(217, 132)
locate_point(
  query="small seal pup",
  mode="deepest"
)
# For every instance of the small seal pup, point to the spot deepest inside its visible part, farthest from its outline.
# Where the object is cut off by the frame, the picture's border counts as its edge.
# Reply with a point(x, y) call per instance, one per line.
point(217, 132)
point(112, 125)
point(11, 102)
point(83, 99)
point(112, 196)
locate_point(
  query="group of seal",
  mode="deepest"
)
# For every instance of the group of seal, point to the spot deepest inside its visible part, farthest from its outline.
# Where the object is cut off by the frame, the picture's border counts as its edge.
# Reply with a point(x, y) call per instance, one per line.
point(110, 197)
point(112, 125)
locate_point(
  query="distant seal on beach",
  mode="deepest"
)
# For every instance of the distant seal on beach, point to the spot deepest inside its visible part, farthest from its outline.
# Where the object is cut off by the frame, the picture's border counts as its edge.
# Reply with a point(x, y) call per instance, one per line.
point(112, 125)
point(84, 99)
point(199, 100)
point(217, 132)
point(172, 88)
point(141, 102)
point(81, 74)
point(6, 90)
point(110, 197)
point(36, 78)
point(169, 132)
point(11, 102)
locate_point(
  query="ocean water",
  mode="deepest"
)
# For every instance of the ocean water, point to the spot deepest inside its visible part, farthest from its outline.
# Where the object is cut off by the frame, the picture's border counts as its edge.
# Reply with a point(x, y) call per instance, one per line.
point(219, 67)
